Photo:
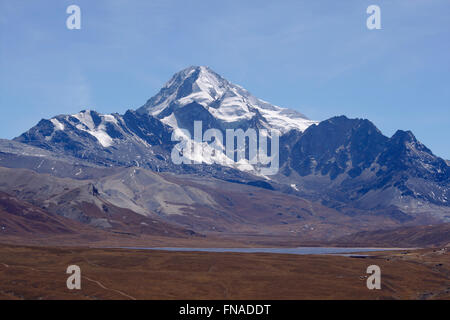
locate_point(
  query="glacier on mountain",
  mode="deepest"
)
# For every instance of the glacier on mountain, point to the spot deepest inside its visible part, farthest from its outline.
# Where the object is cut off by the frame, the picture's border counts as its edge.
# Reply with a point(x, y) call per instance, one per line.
point(226, 102)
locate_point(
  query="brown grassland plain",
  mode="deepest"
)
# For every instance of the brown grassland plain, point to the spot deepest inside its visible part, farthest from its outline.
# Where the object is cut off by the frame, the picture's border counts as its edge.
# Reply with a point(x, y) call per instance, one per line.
point(40, 273)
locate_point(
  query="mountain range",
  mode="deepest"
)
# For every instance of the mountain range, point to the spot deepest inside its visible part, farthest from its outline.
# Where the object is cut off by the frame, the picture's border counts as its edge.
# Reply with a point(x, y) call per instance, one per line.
point(336, 177)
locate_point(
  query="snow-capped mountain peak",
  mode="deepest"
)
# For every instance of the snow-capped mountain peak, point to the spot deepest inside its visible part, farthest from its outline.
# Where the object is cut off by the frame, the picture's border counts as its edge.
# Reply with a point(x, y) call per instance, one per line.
point(228, 103)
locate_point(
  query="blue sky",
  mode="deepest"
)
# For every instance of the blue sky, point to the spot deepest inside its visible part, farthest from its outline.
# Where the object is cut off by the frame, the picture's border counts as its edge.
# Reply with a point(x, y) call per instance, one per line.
point(317, 57)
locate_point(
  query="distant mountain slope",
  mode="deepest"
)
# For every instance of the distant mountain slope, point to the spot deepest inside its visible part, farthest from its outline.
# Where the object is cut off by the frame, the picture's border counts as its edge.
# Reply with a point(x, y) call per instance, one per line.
point(419, 236)
point(14, 154)
point(347, 165)
point(80, 201)
point(111, 140)
point(19, 218)
point(342, 161)
point(139, 201)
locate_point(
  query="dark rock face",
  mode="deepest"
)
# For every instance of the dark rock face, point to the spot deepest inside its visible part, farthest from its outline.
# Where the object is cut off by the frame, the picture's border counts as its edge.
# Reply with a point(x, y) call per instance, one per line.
point(340, 145)
point(148, 128)
point(335, 145)
point(404, 152)
point(351, 161)
point(195, 112)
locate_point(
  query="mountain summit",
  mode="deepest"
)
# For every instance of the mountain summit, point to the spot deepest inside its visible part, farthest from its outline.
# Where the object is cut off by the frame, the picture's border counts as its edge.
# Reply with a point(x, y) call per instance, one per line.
point(201, 91)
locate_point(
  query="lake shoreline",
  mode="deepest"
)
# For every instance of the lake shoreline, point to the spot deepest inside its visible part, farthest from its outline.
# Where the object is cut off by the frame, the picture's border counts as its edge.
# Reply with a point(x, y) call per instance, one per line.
point(345, 251)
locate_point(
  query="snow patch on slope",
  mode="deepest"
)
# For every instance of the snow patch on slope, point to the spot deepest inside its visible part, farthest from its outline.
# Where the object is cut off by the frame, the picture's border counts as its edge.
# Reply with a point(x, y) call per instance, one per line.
point(58, 125)
point(87, 124)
